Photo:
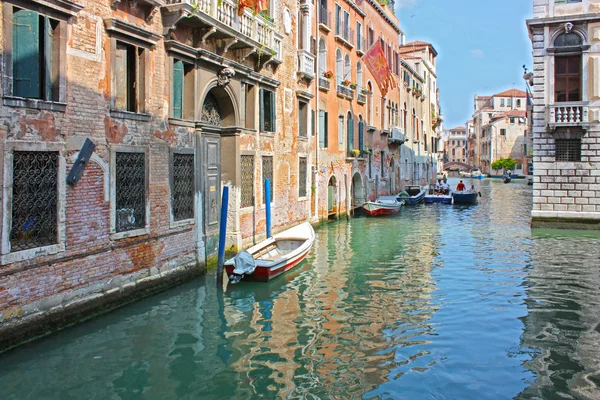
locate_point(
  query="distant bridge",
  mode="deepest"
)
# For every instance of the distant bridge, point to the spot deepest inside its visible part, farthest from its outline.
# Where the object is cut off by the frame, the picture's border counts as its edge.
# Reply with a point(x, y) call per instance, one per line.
point(455, 165)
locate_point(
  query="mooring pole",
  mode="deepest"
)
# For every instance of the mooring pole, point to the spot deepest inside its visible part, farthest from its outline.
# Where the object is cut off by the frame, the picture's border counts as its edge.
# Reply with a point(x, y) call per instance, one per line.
point(222, 233)
point(268, 205)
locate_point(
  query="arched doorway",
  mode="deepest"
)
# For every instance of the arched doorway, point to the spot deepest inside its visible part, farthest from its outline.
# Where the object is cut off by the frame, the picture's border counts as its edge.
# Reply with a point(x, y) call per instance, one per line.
point(217, 115)
point(358, 191)
point(332, 196)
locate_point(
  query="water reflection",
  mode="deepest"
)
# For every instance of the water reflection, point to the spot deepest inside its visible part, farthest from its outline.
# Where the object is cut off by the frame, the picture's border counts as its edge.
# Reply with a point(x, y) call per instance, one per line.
point(439, 302)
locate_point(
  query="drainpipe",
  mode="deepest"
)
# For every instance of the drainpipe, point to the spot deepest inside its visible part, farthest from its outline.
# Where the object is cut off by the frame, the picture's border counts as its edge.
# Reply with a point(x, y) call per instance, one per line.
point(315, 172)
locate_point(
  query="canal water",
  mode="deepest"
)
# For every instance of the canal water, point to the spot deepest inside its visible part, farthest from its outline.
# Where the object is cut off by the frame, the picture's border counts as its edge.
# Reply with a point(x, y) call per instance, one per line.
point(439, 302)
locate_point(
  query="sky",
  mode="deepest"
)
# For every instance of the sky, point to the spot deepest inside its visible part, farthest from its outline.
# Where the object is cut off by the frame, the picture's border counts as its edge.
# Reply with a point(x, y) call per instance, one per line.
point(482, 46)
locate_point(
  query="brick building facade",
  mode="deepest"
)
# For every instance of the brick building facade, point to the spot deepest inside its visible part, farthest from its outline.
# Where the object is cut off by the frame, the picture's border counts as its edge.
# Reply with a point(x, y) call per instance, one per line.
point(566, 128)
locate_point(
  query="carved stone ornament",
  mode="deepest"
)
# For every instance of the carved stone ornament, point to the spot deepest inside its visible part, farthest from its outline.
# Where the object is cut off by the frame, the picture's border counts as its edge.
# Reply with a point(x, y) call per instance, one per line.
point(224, 75)
point(287, 21)
point(568, 27)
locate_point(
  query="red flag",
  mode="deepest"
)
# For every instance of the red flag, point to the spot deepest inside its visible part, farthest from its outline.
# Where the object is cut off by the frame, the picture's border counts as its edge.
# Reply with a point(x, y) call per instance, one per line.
point(377, 64)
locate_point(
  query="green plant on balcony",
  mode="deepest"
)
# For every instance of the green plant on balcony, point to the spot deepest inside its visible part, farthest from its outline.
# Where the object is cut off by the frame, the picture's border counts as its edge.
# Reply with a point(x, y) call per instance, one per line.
point(383, 2)
point(355, 152)
point(353, 85)
point(345, 82)
point(365, 91)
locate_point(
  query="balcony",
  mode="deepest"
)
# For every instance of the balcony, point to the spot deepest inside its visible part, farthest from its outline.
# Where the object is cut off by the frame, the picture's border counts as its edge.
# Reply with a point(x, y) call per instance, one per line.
point(361, 45)
point(324, 84)
point(306, 65)
point(361, 98)
point(345, 92)
point(344, 34)
point(324, 19)
point(568, 115)
point(248, 30)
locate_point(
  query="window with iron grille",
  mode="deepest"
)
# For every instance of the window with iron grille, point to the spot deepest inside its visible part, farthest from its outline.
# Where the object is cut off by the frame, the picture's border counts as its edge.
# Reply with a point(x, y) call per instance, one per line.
point(34, 200)
point(267, 170)
point(302, 181)
point(182, 191)
point(130, 176)
point(247, 177)
point(568, 150)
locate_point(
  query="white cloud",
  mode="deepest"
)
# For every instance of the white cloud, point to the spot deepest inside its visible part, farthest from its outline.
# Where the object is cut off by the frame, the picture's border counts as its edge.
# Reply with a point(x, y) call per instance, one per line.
point(477, 53)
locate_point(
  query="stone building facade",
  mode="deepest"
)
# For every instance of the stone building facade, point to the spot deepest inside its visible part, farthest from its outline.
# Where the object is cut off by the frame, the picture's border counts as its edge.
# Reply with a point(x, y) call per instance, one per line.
point(566, 113)
point(456, 145)
point(121, 121)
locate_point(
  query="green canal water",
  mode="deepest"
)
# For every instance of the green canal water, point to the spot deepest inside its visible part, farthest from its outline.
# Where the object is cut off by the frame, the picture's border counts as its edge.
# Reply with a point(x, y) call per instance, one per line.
point(439, 302)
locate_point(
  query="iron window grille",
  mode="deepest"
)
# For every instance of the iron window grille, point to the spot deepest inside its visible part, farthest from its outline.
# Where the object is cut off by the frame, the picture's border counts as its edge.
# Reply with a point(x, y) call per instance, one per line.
point(247, 177)
point(568, 150)
point(182, 194)
point(211, 114)
point(34, 200)
point(130, 191)
point(267, 169)
point(302, 181)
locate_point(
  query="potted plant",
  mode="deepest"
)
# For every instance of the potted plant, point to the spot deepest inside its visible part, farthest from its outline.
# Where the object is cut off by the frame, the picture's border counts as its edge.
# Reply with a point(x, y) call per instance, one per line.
point(355, 152)
point(353, 85)
point(328, 74)
point(365, 91)
point(345, 82)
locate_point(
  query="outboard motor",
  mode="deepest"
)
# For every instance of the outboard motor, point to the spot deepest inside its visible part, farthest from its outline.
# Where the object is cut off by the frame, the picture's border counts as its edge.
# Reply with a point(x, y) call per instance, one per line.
point(244, 265)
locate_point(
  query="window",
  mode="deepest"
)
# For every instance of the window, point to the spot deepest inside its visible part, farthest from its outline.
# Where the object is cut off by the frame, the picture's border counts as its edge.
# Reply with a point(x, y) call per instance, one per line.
point(501, 102)
point(34, 200)
point(350, 133)
point(322, 57)
point(568, 150)
point(182, 189)
point(36, 55)
point(130, 180)
point(509, 102)
point(567, 78)
point(250, 106)
point(302, 119)
point(247, 181)
point(502, 132)
point(267, 170)
point(518, 102)
point(323, 127)
point(182, 104)
point(371, 37)
point(382, 161)
point(512, 120)
point(267, 110)
point(129, 75)
point(302, 177)
point(338, 19)
point(359, 38)
point(370, 166)
point(359, 77)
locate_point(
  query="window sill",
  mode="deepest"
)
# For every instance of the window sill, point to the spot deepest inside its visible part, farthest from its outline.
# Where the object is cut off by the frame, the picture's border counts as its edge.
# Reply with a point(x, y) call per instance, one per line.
point(266, 133)
point(130, 115)
point(34, 103)
point(304, 138)
point(181, 122)
point(182, 223)
point(32, 253)
point(129, 234)
point(302, 199)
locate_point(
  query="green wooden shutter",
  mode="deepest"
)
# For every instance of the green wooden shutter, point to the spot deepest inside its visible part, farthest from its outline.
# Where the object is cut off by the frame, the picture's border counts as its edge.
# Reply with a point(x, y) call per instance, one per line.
point(273, 119)
point(26, 54)
point(361, 135)
point(177, 101)
point(301, 123)
point(262, 109)
point(326, 138)
point(350, 134)
point(322, 128)
point(48, 58)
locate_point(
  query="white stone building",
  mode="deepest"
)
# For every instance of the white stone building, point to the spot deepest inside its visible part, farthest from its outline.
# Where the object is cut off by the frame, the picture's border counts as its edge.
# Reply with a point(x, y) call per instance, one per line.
point(566, 128)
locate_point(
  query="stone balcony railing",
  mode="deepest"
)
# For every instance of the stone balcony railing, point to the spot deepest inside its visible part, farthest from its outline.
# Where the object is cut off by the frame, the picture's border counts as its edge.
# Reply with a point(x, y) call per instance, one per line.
point(344, 91)
point(397, 135)
point(361, 98)
point(324, 18)
point(306, 64)
point(568, 115)
point(324, 83)
point(243, 31)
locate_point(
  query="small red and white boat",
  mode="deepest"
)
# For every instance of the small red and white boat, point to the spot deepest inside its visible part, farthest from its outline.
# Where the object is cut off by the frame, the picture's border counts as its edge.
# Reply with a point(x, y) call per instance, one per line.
point(385, 205)
point(278, 254)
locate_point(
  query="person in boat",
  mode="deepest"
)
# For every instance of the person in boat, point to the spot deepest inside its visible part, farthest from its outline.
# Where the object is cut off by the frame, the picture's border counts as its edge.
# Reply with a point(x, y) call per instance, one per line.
point(460, 187)
point(438, 187)
point(445, 188)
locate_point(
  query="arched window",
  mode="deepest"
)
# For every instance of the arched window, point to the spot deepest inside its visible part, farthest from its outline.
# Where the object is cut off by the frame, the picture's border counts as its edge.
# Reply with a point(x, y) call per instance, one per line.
point(405, 117)
point(339, 67)
point(322, 57)
point(347, 69)
point(567, 67)
point(359, 77)
point(414, 125)
point(341, 132)
point(361, 133)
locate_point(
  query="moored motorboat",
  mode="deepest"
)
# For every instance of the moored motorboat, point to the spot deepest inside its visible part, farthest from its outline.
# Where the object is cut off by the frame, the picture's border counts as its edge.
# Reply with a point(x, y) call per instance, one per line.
point(273, 256)
point(465, 197)
point(385, 205)
point(413, 195)
point(439, 198)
